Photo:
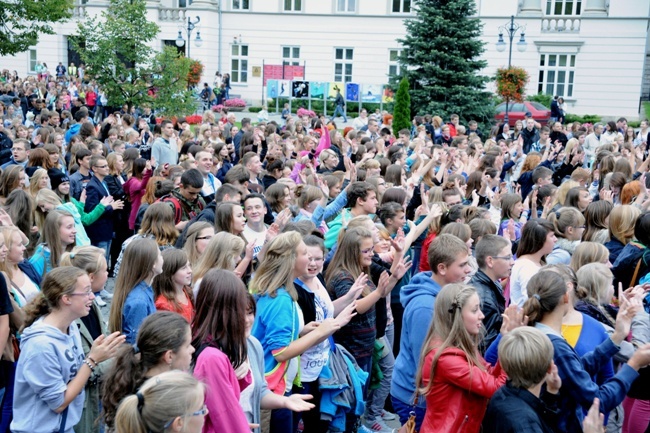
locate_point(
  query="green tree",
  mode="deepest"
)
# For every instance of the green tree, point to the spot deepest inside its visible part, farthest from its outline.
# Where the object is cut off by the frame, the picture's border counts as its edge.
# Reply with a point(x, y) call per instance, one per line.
point(402, 111)
point(170, 71)
point(22, 21)
point(116, 51)
point(441, 59)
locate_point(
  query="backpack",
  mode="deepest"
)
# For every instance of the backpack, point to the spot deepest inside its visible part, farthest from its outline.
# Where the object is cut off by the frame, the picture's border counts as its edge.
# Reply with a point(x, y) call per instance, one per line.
point(176, 205)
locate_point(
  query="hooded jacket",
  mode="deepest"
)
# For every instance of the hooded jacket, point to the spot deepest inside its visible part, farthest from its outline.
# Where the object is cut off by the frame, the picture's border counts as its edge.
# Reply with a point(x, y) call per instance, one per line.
point(417, 298)
point(49, 359)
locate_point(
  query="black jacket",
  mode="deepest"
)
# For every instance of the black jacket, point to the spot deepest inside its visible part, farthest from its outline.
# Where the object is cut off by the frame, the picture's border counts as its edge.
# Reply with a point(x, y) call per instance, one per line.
point(102, 229)
point(530, 137)
point(493, 304)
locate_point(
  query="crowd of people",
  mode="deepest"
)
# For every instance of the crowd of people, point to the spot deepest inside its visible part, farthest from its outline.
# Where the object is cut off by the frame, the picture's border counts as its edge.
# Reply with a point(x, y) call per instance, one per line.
point(301, 277)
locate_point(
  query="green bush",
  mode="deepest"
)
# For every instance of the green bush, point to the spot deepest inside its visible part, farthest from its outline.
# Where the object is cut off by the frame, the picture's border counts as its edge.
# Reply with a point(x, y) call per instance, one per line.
point(646, 109)
point(352, 108)
point(587, 118)
point(634, 123)
point(402, 119)
point(541, 98)
point(254, 109)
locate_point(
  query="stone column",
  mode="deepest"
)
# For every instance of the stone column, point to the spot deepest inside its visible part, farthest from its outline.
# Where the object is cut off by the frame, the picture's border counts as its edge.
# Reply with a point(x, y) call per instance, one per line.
point(530, 8)
point(595, 8)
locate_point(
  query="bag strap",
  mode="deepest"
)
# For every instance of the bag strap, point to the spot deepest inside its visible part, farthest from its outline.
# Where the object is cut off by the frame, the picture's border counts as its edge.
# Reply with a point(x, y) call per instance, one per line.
point(636, 272)
point(17, 288)
point(64, 417)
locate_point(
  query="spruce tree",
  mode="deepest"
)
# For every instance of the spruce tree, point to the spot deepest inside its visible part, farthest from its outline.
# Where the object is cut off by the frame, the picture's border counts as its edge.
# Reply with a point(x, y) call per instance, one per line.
point(441, 59)
point(402, 111)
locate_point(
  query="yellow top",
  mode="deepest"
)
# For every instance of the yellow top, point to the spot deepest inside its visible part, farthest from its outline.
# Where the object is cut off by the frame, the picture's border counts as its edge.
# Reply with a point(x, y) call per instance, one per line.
point(571, 333)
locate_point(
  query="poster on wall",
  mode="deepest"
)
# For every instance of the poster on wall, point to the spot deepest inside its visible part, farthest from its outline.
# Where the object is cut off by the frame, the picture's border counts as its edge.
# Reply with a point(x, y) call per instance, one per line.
point(388, 95)
point(317, 89)
point(272, 88)
point(352, 92)
point(333, 88)
point(371, 93)
point(284, 88)
point(300, 89)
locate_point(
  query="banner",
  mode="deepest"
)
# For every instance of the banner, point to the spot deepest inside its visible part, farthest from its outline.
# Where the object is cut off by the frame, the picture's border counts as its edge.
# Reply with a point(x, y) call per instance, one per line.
point(300, 89)
point(371, 93)
point(272, 89)
point(352, 92)
point(333, 88)
point(317, 89)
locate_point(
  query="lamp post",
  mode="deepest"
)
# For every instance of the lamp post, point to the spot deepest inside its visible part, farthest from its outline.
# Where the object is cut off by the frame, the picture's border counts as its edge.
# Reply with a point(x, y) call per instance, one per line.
point(511, 30)
point(190, 27)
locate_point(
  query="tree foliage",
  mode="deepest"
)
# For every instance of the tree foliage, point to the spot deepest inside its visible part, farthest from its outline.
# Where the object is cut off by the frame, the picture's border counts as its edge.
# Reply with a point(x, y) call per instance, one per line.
point(402, 111)
point(441, 59)
point(116, 51)
point(22, 21)
point(170, 72)
point(511, 83)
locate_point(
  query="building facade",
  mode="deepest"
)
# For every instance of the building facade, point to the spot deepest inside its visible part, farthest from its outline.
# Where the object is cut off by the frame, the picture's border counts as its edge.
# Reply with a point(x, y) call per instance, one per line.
point(592, 52)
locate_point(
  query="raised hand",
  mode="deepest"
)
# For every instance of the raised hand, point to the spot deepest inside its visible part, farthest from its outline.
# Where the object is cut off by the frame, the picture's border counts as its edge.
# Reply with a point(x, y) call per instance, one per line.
point(553, 381)
point(593, 422)
point(513, 317)
point(627, 310)
point(347, 314)
point(383, 286)
point(104, 347)
point(359, 284)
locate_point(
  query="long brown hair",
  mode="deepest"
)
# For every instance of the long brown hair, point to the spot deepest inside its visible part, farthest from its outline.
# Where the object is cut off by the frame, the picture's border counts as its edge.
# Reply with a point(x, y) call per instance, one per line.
point(348, 256)
point(276, 270)
point(52, 236)
point(158, 220)
point(220, 319)
point(141, 255)
point(173, 260)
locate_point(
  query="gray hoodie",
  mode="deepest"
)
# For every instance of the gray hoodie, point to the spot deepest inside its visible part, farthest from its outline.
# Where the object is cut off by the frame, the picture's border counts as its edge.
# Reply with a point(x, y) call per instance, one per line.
point(49, 359)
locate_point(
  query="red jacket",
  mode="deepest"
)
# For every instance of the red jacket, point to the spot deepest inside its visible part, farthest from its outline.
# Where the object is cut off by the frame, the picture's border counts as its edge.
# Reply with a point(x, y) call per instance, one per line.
point(459, 397)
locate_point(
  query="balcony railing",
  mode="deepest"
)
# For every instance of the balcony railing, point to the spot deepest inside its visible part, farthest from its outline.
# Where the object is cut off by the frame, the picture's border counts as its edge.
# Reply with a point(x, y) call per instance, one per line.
point(561, 24)
point(78, 9)
point(171, 14)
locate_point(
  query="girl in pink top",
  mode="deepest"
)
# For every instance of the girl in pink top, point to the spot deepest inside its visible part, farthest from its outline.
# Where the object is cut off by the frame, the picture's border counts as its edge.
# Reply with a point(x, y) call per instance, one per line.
point(136, 186)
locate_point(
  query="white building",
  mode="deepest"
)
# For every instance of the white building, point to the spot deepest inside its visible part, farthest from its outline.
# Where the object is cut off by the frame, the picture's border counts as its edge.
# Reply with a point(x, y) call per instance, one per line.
point(593, 52)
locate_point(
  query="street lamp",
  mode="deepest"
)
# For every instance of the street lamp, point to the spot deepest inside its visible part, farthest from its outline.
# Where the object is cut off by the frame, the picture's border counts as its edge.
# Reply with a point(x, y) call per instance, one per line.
point(190, 27)
point(511, 30)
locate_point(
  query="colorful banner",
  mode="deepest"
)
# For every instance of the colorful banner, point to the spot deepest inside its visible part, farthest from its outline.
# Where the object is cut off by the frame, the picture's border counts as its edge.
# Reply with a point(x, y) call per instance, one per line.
point(284, 88)
point(272, 89)
point(283, 72)
point(388, 95)
point(352, 92)
point(333, 88)
point(300, 89)
point(371, 93)
point(317, 89)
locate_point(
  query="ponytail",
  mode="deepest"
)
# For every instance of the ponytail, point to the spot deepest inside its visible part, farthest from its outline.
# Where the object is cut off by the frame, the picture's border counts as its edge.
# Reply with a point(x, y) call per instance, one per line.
point(128, 418)
point(545, 292)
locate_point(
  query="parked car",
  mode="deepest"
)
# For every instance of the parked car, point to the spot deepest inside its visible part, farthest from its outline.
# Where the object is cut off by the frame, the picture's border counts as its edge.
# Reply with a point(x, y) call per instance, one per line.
point(518, 110)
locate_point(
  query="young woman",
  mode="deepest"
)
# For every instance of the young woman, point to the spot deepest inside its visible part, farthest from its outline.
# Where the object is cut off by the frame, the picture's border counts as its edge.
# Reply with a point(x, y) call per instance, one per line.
point(220, 360)
point(157, 224)
point(512, 208)
point(622, 220)
point(279, 197)
point(546, 307)
point(456, 381)
point(196, 241)
point(133, 298)
point(569, 225)
point(312, 202)
point(59, 235)
point(24, 279)
point(537, 240)
point(171, 402)
point(38, 181)
point(164, 344)
point(172, 288)
point(597, 221)
point(136, 185)
point(578, 198)
point(92, 260)
point(278, 325)
point(223, 252)
point(589, 252)
point(115, 182)
point(52, 370)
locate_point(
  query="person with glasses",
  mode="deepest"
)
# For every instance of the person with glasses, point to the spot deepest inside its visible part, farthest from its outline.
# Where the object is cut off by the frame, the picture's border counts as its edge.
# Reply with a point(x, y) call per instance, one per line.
point(170, 402)
point(53, 370)
point(569, 225)
point(494, 258)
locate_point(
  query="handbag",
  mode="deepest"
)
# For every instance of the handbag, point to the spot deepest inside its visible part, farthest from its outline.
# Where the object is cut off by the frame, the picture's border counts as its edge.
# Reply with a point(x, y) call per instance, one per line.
point(409, 426)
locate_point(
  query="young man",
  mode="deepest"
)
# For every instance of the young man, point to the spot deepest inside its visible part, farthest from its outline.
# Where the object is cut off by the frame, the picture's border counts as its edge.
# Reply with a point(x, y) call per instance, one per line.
point(164, 150)
point(494, 258)
point(236, 140)
point(251, 161)
point(19, 153)
point(255, 229)
point(530, 135)
point(449, 261)
point(544, 140)
point(210, 183)
point(535, 179)
point(526, 355)
point(362, 200)
point(186, 200)
point(80, 178)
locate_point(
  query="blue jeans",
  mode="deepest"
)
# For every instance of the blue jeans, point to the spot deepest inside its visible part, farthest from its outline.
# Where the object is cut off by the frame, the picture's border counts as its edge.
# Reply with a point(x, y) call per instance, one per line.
point(311, 419)
point(106, 246)
point(403, 410)
point(339, 111)
point(377, 397)
point(281, 420)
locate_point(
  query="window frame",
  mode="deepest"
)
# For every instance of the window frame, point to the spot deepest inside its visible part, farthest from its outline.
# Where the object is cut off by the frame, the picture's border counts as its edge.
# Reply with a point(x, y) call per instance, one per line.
point(553, 5)
point(292, 10)
point(239, 58)
point(290, 60)
point(31, 63)
point(241, 8)
point(564, 87)
point(402, 3)
point(394, 63)
point(347, 6)
point(343, 76)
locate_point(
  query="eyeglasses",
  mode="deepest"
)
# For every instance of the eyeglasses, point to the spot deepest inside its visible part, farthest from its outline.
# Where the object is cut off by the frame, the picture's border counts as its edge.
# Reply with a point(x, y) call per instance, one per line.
point(201, 412)
point(503, 257)
point(86, 294)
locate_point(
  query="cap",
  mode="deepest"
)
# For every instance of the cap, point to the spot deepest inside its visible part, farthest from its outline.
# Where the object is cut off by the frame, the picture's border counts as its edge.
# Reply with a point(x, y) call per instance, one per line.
point(57, 177)
point(529, 114)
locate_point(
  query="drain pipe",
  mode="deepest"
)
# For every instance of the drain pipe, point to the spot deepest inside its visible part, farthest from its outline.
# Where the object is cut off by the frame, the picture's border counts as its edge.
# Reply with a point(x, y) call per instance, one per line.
point(220, 34)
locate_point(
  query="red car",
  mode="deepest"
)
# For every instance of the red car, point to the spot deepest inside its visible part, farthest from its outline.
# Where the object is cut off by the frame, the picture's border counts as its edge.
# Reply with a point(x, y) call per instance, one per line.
point(518, 110)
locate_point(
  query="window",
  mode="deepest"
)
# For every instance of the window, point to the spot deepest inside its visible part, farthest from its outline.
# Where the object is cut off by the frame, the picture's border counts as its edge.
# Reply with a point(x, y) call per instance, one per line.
point(402, 6)
point(563, 7)
point(240, 5)
point(556, 74)
point(291, 56)
point(346, 5)
point(292, 5)
point(32, 60)
point(393, 64)
point(343, 64)
point(239, 64)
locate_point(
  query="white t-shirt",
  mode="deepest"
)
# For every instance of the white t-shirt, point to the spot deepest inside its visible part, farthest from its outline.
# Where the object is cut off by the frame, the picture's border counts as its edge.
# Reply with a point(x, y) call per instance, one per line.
point(522, 271)
point(27, 292)
point(315, 358)
point(258, 237)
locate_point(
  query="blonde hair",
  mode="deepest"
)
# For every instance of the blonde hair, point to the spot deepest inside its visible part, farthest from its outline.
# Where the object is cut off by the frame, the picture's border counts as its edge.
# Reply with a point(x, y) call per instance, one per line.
point(45, 196)
point(588, 252)
point(447, 330)
point(161, 399)
point(564, 218)
point(220, 253)
point(594, 280)
point(190, 240)
point(621, 223)
point(525, 355)
point(276, 270)
point(7, 232)
point(34, 180)
point(88, 258)
point(562, 192)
